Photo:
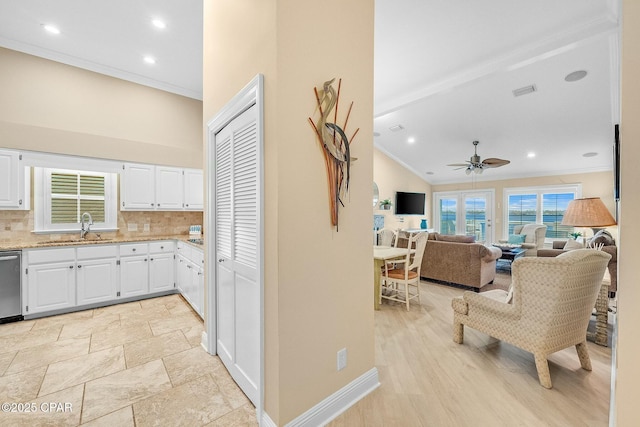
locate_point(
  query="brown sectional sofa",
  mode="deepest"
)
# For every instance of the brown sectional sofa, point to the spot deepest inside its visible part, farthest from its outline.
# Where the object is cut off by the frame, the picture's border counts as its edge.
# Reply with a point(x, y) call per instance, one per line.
point(457, 259)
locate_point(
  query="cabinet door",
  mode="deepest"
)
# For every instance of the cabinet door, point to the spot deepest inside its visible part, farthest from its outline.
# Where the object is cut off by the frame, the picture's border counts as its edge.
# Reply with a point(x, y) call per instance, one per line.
point(161, 269)
point(96, 280)
point(10, 180)
point(168, 188)
point(183, 274)
point(51, 286)
point(134, 276)
point(137, 187)
point(197, 280)
point(193, 190)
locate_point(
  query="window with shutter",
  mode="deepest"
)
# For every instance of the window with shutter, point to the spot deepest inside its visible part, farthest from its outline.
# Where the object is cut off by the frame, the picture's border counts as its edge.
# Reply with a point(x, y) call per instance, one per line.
point(67, 194)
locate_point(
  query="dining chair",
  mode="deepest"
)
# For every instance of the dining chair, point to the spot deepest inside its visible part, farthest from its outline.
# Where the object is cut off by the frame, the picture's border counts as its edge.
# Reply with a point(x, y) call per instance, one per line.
point(386, 237)
point(397, 283)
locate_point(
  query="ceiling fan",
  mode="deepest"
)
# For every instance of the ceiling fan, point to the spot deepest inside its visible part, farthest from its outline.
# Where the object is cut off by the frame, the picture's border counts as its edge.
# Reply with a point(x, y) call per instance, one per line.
point(475, 165)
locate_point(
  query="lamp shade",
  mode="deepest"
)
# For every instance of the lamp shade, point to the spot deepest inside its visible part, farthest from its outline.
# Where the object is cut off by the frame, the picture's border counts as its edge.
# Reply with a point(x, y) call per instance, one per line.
point(588, 212)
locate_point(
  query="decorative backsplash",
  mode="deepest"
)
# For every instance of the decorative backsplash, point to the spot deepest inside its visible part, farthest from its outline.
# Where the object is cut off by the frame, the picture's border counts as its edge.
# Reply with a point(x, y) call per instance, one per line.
point(17, 226)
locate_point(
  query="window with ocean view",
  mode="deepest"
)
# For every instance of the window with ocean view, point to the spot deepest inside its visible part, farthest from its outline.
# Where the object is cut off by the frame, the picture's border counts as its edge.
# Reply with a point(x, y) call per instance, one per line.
point(541, 205)
point(467, 213)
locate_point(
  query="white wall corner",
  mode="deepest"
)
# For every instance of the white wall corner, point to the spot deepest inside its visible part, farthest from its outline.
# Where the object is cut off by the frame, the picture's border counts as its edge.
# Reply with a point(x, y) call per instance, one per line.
point(266, 421)
point(338, 402)
point(203, 341)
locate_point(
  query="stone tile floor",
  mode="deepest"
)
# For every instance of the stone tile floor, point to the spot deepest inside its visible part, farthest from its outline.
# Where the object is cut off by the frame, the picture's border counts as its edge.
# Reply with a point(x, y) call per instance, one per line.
point(133, 364)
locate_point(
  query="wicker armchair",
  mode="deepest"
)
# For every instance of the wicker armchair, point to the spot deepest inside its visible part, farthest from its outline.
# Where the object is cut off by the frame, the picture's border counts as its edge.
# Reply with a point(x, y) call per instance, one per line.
point(549, 310)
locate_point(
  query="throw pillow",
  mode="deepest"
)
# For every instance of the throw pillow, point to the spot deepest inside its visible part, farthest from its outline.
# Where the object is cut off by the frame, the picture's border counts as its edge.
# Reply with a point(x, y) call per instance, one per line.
point(516, 239)
point(572, 244)
point(602, 237)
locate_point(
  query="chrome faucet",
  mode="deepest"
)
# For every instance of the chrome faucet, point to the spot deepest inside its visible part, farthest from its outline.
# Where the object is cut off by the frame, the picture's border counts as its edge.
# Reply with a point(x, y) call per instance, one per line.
point(84, 232)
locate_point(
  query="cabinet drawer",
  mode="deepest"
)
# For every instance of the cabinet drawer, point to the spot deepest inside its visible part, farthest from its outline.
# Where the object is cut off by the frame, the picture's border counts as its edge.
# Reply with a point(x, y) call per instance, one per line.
point(100, 251)
point(184, 250)
point(51, 255)
point(133, 249)
point(197, 256)
point(161, 247)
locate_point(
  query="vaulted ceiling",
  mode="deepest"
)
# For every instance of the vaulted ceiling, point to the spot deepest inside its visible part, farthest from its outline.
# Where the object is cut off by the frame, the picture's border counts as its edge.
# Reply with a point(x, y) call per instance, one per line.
point(445, 71)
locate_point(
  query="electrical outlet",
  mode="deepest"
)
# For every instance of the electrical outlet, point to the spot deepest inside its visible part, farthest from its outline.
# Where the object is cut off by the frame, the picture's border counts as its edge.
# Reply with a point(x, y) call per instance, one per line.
point(132, 227)
point(342, 359)
point(147, 227)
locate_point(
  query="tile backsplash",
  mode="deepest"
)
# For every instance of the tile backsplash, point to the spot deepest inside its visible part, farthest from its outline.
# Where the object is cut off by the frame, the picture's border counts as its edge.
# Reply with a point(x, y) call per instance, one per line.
point(18, 225)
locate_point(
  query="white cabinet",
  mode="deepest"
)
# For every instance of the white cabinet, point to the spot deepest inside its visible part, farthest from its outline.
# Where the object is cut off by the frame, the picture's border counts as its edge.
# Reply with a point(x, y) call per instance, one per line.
point(169, 188)
point(51, 280)
point(148, 188)
point(14, 181)
point(161, 266)
point(97, 280)
point(134, 270)
point(96, 274)
point(190, 265)
point(193, 190)
point(137, 187)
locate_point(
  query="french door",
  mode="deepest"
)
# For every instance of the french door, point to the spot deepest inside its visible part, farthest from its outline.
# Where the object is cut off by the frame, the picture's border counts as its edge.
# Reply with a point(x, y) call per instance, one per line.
point(465, 212)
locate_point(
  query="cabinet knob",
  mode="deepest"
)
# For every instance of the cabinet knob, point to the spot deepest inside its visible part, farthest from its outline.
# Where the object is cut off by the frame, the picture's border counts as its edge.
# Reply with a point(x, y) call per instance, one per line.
point(161, 247)
point(79, 266)
point(221, 260)
point(145, 260)
point(134, 249)
point(151, 204)
point(187, 204)
point(71, 266)
point(199, 273)
point(188, 266)
point(151, 259)
point(158, 204)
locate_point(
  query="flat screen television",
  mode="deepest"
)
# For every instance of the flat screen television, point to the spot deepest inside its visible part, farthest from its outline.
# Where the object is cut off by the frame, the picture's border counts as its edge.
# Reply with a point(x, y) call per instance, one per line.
point(409, 203)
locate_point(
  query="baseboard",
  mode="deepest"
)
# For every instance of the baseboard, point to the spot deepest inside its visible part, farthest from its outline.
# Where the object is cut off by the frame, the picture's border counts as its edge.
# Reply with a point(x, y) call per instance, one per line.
point(203, 341)
point(338, 402)
point(267, 421)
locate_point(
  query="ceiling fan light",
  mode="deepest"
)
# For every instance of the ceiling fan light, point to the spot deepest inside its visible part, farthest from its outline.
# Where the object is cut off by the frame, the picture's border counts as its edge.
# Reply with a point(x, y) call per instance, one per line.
point(478, 170)
point(468, 170)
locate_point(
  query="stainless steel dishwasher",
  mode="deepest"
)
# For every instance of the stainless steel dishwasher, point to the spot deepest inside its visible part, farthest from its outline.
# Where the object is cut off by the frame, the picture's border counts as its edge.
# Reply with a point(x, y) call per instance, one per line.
point(10, 289)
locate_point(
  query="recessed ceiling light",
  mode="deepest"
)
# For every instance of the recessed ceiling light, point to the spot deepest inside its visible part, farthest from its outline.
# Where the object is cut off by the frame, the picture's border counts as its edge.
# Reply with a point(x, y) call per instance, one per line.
point(575, 76)
point(411, 140)
point(590, 154)
point(159, 23)
point(396, 128)
point(52, 29)
point(149, 60)
point(524, 90)
point(376, 134)
point(429, 173)
point(531, 155)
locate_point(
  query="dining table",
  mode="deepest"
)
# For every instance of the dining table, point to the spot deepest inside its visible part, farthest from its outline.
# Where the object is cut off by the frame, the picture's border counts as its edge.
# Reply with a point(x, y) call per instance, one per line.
point(382, 254)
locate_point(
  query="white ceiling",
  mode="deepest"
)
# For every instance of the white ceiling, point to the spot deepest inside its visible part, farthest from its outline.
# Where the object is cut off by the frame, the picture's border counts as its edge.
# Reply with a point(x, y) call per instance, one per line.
point(444, 70)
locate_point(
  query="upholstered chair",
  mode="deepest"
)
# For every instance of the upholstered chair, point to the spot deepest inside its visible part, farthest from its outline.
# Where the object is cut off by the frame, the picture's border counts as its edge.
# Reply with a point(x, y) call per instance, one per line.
point(547, 309)
point(534, 237)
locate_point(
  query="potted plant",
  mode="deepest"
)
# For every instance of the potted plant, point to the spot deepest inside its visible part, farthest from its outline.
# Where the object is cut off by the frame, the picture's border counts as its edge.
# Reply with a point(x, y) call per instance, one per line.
point(385, 204)
point(575, 235)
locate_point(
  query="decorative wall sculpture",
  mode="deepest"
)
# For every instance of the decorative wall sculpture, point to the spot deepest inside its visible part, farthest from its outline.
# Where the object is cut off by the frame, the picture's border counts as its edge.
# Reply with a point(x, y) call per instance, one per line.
point(335, 145)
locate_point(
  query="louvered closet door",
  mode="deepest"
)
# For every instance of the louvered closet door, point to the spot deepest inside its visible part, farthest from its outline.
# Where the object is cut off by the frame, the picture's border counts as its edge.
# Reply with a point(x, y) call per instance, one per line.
point(238, 291)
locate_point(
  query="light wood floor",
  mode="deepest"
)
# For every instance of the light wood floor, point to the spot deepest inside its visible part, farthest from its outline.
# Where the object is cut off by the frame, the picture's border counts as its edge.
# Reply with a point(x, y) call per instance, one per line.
point(428, 380)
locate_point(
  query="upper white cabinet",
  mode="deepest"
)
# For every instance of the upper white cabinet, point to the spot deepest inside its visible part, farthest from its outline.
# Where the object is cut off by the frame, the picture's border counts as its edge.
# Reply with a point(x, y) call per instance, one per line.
point(193, 190)
point(148, 188)
point(137, 187)
point(14, 181)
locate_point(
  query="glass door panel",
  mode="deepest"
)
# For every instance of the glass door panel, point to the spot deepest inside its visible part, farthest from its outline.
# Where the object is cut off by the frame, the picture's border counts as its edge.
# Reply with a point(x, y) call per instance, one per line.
point(448, 212)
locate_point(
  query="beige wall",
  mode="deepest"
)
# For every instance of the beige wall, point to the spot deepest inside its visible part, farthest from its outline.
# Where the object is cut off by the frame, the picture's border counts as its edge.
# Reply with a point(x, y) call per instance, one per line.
point(597, 184)
point(51, 107)
point(318, 282)
point(626, 372)
point(390, 176)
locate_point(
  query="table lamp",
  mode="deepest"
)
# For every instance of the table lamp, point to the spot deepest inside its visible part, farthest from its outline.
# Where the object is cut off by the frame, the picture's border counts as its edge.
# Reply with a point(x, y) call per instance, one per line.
point(588, 212)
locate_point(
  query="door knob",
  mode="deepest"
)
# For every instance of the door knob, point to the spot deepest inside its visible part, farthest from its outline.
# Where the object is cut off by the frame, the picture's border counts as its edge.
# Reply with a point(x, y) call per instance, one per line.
point(221, 260)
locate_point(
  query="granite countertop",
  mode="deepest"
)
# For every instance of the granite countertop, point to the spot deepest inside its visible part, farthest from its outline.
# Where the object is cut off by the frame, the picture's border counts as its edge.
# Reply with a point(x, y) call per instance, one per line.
point(18, 245)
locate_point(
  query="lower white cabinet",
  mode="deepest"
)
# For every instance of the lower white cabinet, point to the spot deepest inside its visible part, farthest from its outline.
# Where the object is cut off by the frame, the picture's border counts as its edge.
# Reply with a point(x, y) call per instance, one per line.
point(51, 286)
point(97, 280)
point(134, 275)
point(190, 276)
point(65, 277)
point(161, 266)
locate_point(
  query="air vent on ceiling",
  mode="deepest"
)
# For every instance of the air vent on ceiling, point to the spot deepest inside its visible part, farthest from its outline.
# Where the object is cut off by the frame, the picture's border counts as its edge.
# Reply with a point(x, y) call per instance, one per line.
point(396, 128)
point(524, 90)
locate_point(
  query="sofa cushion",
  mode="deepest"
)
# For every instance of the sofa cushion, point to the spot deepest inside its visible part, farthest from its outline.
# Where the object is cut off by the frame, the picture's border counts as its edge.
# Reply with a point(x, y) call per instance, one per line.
point(572, 244)
point(455, 238)
point(602, 237)
point(516, 239)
